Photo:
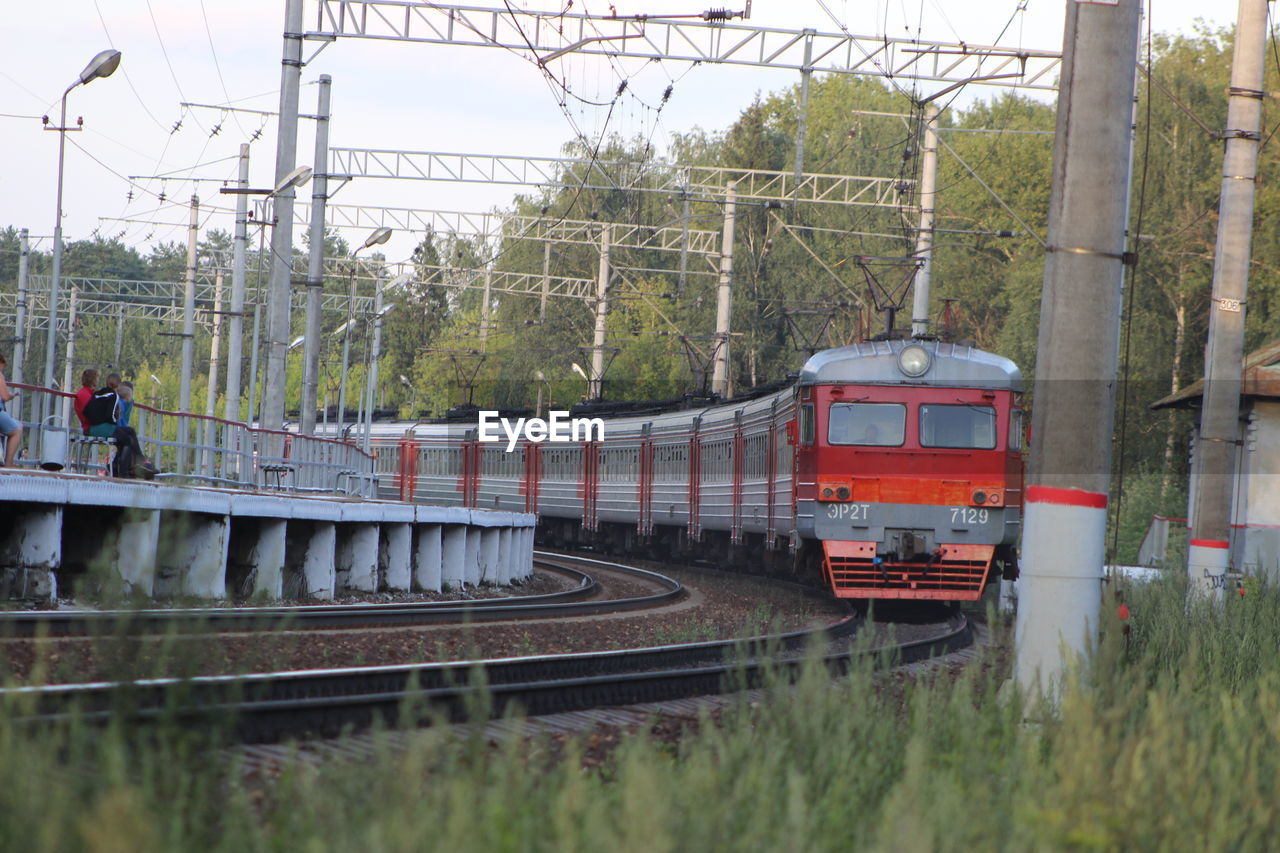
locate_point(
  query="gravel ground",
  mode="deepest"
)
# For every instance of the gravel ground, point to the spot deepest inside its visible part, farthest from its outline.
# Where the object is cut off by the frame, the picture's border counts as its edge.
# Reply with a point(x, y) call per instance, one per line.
point(717, 607)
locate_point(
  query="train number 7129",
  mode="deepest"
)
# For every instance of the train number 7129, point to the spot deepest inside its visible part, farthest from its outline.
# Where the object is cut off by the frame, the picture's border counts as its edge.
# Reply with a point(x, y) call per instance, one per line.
point(968, 515)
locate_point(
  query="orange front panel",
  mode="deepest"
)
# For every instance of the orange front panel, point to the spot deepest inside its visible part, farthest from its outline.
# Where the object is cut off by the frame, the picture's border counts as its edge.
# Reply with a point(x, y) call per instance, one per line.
point(960, 574)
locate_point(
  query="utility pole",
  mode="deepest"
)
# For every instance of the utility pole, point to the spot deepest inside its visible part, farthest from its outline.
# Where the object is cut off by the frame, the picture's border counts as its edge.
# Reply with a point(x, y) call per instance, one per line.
point(20, 321)
point(188, 341)
point(211, 392)
point(346, 351)
point(484, 307)
point(251, 416)
point(282, 234)
point(119, 348)
point(1211, 489)
point(239, 253)
point(806, 72)
point(924, 239)
point(69, 366)
point(684, 242)
point(371, 376)
point(595, 384)
point(315, 268)
point(546, 282)
point(1066, 501)
point(721, 383)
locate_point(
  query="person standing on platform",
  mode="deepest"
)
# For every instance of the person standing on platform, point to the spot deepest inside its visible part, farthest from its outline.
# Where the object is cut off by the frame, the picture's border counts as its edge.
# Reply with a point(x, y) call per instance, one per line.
point(9, 426)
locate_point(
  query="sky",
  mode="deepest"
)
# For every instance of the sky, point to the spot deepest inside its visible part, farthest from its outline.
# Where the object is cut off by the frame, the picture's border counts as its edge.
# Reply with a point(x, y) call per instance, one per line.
point(385, 95)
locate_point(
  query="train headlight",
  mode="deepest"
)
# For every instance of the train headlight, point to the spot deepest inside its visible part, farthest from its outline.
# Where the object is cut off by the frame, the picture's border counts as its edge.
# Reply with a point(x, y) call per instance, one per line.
point(914, 360)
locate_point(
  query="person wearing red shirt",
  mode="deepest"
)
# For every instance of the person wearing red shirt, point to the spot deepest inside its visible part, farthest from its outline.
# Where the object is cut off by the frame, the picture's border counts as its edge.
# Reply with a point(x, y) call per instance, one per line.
point(88, 381)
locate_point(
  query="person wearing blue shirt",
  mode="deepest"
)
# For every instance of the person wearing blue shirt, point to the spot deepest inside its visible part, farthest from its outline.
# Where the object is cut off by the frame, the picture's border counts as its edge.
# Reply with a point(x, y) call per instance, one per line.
point(125, 409)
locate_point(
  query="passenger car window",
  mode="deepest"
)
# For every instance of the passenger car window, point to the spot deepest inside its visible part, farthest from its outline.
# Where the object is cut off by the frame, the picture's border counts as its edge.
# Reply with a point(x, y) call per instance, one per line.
point(972, 427)
point(868, 424)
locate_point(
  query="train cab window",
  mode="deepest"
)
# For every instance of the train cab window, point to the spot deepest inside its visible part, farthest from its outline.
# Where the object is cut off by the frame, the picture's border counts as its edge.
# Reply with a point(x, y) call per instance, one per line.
point(1015, 429)
point(868, 424)
point(972, 427)
point(806, 424)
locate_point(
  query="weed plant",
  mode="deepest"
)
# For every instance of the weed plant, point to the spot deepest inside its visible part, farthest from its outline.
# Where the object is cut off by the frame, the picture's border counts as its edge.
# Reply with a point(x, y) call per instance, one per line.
point(1167, 740)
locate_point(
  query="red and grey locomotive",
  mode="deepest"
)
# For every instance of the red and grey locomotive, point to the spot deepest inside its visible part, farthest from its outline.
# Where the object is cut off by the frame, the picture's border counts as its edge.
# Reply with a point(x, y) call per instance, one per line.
point(892, 468)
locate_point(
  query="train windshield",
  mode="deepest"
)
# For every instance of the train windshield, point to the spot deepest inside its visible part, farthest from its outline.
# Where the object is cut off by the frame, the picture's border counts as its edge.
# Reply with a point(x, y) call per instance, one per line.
point(972, 427)
point(873, 424)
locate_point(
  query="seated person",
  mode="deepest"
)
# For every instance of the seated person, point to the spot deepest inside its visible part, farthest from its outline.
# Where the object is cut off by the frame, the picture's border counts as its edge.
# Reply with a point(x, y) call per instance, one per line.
point(101, 412)
point(125, 393)
point(88, 379)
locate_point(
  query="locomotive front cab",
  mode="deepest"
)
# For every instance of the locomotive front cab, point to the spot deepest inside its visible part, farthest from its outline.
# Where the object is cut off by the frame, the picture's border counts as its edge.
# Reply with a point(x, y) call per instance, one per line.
point(909, 468)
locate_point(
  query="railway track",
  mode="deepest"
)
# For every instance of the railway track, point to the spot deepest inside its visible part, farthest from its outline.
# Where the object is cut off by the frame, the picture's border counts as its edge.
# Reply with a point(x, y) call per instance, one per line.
point(269, 707)
point(587, 597)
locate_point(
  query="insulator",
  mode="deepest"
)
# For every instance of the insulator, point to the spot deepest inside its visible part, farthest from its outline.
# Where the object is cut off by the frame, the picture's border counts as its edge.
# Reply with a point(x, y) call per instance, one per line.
point(717, 15)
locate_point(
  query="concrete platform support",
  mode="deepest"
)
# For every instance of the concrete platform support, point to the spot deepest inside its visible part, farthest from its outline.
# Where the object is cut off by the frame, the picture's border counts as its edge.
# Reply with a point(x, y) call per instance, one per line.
point(454, 559)
point(509, 537)
point(191, 557)
point(309, 560)
point(30, 551)
point(525, 569)
point(428, 557)
point(255, 558)
point(471, 562)
point(356, 558)
point(490, 554)
point(131, 545)
point(395, 557)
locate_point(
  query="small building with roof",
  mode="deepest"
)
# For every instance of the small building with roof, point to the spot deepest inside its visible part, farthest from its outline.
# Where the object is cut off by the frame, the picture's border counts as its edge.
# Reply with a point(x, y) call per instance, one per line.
point(1255, 504)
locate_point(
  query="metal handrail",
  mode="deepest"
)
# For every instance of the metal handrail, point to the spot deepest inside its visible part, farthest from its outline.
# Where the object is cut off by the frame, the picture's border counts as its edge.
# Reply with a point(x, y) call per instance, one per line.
point(231, 453)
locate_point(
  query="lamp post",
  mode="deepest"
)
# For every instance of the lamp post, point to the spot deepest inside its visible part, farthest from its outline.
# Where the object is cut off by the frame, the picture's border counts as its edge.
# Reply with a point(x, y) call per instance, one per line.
point(102, 65)
point(375, 355)
point(377, 238)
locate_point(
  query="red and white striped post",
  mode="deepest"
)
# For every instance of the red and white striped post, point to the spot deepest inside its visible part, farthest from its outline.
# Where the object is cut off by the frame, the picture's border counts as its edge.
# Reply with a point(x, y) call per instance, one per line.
point(1060, 590)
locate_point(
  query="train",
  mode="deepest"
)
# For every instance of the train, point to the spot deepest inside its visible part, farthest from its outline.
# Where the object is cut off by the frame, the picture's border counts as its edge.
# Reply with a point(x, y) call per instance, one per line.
point(886, 469)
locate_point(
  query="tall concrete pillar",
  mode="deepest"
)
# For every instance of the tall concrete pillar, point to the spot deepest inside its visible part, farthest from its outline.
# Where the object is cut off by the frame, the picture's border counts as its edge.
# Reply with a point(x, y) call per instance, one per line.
point(132, 544)
point(428, 557)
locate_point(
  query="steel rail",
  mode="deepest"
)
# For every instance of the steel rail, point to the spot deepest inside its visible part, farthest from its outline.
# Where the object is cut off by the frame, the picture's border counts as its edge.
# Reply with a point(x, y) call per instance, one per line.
point(268, 707)
point(321, 616)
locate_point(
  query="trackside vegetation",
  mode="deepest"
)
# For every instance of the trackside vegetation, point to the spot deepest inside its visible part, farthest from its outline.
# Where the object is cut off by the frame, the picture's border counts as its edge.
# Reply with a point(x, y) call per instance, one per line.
point(1170, 743)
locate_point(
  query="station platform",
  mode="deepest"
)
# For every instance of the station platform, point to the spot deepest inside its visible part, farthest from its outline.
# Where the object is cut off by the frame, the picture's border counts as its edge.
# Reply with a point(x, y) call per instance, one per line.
point(72, 533)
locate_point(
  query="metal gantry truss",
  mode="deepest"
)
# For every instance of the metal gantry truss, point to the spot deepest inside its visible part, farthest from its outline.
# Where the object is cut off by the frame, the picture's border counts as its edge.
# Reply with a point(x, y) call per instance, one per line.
point(704, 183)
point(544, 33)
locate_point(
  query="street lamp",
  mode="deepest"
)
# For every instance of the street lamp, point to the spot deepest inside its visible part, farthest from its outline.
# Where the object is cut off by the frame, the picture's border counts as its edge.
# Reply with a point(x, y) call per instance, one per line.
point(102, 65)
point(378, 237)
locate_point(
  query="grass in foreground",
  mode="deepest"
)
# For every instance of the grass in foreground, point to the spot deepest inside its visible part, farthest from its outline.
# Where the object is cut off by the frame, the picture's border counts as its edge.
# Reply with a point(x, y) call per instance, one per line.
point(1171, 743)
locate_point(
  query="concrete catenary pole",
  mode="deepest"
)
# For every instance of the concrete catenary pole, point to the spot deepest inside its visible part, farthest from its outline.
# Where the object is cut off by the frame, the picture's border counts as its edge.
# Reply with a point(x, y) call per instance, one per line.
point(69, 366)
point(1065, 505)
point(251, 415)
point(375, 355)
point(924, 238)
point(721, 383)
point(188, 340)
point(802, 114)
point(485, 300)
point(20, 321)
point(239, 255)
point(282, 234)
point(347, 331)
point(546, 282)
point(118, 352)
point(211, 390)
point(1212, 487)
point(595, 382)
point(315, 267)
